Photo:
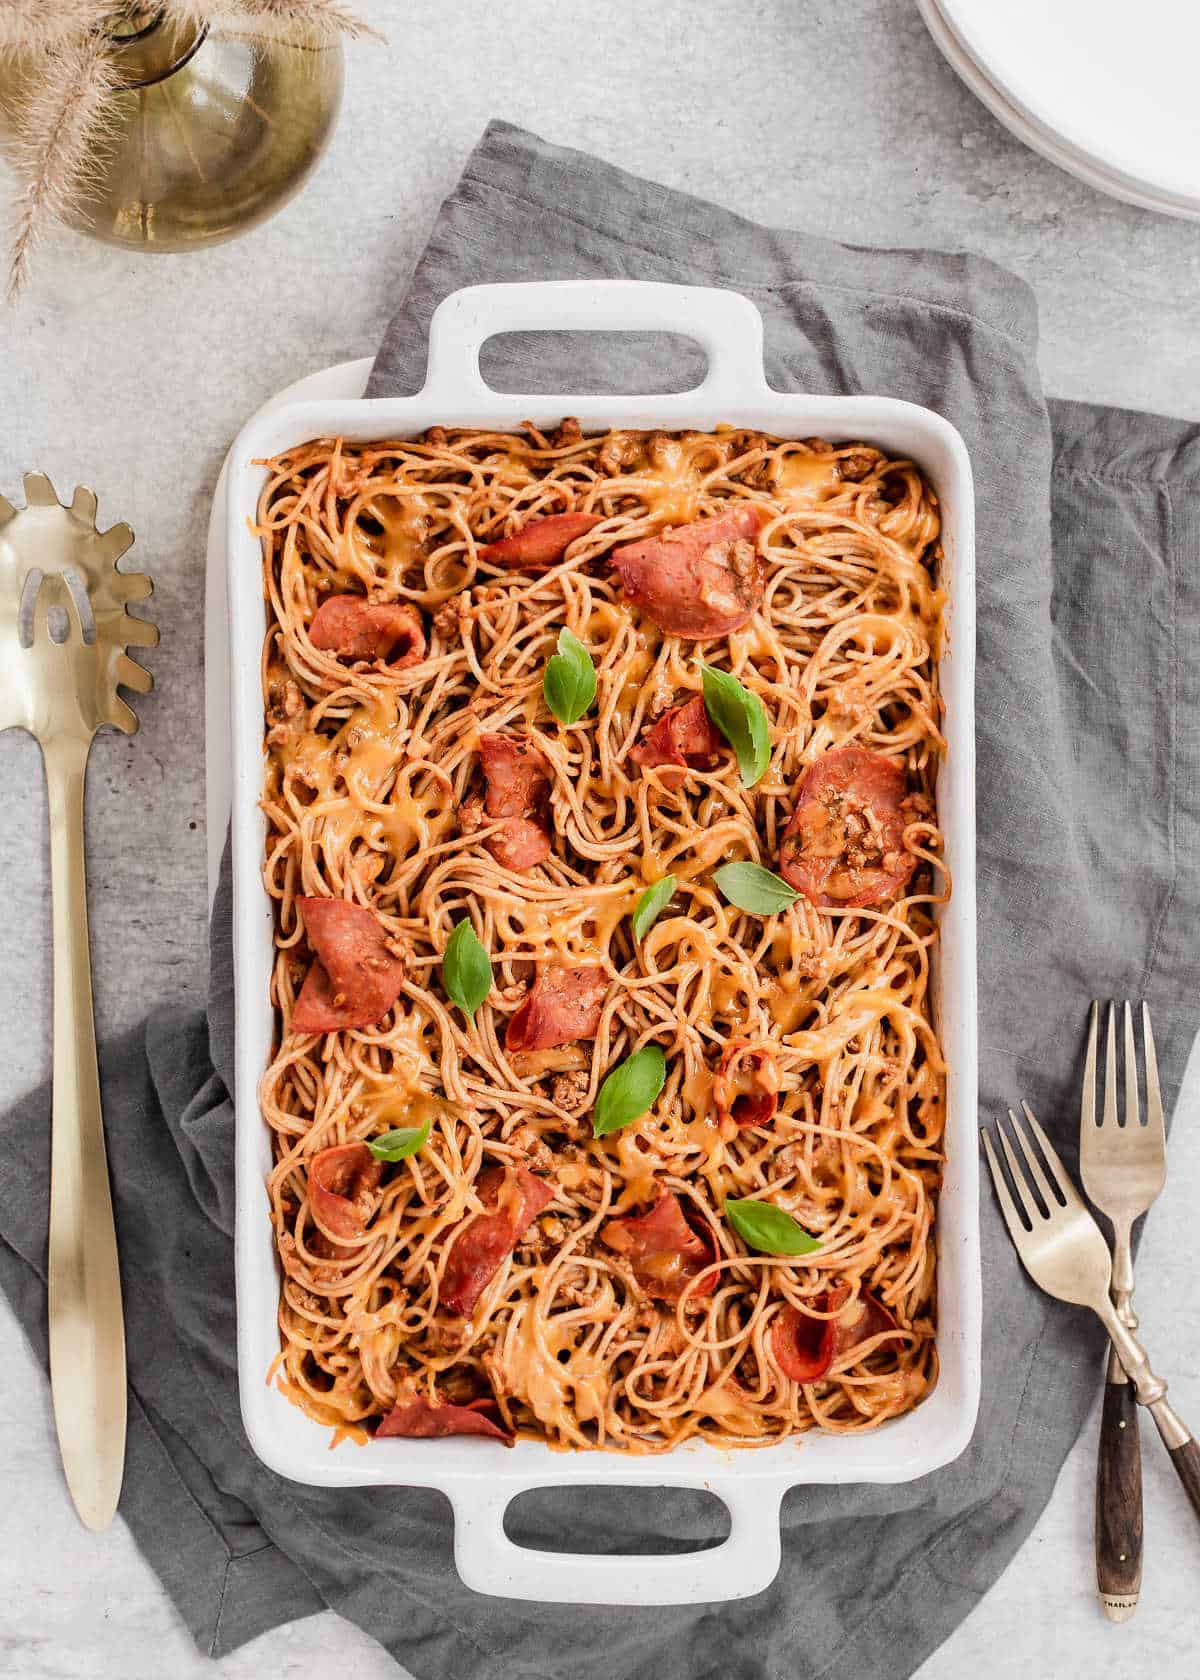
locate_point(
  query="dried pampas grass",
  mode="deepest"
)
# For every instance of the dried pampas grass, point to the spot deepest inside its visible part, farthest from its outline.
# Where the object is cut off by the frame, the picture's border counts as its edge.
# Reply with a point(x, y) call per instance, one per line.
point(27, 25)
point(70, 80)
point(54, 144)
point(278, 20)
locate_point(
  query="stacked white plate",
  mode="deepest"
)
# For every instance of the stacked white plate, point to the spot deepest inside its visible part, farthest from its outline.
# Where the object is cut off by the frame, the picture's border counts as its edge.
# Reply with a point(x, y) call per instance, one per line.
point(1104, 88)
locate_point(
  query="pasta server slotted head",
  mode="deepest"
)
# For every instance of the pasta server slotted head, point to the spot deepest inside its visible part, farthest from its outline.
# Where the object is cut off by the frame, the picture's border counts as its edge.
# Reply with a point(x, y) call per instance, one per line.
point(64, 629)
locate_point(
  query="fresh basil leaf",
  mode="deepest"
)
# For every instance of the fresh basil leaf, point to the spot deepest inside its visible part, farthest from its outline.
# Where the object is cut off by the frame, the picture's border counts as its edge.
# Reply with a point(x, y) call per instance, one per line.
point(466, 968)
point(395, 1146)
point(570, 680)
point(768, 1228)
point(740, 717)
point(629, 1090)
point(651, 905)
point(753, 888)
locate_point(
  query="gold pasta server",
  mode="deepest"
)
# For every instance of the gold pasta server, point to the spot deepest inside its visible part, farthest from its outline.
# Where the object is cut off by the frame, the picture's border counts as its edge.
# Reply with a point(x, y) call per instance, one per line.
point(64, 629)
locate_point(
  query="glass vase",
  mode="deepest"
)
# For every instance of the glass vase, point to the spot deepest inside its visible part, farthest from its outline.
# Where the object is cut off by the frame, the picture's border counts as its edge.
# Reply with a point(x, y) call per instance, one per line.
point(210, 132)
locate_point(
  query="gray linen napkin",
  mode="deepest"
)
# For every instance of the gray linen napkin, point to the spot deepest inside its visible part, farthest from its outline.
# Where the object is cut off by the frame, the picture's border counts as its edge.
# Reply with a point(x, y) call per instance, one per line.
point(1089, 807)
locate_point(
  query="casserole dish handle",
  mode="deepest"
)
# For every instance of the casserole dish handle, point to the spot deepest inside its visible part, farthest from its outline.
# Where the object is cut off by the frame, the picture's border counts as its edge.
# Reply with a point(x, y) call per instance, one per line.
point(744, 1564)
point(726, 325)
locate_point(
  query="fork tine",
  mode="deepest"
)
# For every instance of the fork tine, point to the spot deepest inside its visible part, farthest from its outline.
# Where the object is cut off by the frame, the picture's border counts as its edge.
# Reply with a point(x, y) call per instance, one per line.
point(133, 676)
point(1110, 1070)
point(1133, 1116)
point(1154, 1107)
point(114, 542)
point(1057, 1170)
point(121, 715)
point(83, 504)
point(1020, 1186)
point(39, 492)
point(1087, 1101)
point(139, 632)
point(1035, 1166)
point(131, 586)
point(1016, 1226)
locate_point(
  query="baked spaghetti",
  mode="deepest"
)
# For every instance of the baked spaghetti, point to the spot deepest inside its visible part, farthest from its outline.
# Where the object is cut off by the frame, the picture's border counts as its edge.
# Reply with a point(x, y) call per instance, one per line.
point(581, 1134)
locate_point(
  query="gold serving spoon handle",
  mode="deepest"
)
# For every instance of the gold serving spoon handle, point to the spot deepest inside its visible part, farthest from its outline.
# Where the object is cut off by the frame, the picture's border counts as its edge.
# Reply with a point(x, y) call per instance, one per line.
point(64, 629)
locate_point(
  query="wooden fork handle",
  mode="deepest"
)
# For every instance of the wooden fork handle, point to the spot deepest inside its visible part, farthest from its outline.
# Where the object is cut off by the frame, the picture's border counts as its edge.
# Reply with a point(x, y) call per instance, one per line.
point(1151, 1392)
point(1186, 1460)
point(87, 1337)
point(1181, 1445)
point(1119, 1499)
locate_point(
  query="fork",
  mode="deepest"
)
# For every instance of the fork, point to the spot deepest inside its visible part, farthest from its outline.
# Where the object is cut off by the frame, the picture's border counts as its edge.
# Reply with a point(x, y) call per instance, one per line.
point(64, 629)
point(1063, 1250)
point(1123, 1169)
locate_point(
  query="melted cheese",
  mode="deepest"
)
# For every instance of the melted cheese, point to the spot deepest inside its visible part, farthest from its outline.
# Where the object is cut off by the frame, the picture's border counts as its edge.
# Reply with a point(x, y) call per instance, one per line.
point(392, 1103)
point(841, 556)
point(801, 479)
point(732, 1408)
point(349, 776)
point(697, 1090)
point(788, 1006)
point(728, 994)
point(551, 1387)
point(673, 483)
point(406, 522)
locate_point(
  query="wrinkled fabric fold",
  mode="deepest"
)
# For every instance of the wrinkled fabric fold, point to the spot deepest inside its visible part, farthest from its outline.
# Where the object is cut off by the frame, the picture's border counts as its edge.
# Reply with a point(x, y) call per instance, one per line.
point(1089, 803)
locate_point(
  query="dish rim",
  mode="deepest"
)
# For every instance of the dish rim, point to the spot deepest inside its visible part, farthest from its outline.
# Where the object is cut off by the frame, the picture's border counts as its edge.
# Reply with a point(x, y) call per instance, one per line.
point(481, 1477)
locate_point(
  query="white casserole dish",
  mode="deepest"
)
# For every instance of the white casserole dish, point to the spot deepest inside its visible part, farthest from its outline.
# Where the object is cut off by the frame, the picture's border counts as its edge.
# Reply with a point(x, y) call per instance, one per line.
point(480, 1477)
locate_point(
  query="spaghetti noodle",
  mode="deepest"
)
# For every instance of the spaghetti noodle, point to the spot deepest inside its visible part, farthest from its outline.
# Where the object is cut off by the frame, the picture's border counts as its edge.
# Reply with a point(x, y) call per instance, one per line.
point(517, 1274)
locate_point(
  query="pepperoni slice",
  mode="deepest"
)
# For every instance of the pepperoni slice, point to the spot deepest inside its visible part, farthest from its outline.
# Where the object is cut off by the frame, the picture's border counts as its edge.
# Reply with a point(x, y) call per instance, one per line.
point(806, 1348)
point(520, 845)
point(746, 1086)
point(342, 1182)
point(423, 1421)
point(844, 845)
point(684, 738)
point(357, 629)
point(541, 543)
point(563, 1004)
point(518, 788)
point(477, 1250)
point(357, 975)
point(664, 1250)
point(516, 774)
point(701, 580)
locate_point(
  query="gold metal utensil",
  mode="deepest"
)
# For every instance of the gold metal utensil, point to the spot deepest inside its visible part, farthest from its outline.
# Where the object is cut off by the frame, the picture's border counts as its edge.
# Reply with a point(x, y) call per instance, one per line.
point(1064, 1251)
point(1123, 1167)
point(64, 629)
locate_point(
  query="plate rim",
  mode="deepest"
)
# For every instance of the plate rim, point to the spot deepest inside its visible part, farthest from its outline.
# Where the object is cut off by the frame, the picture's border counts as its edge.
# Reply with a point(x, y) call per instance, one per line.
point(1050, 143)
